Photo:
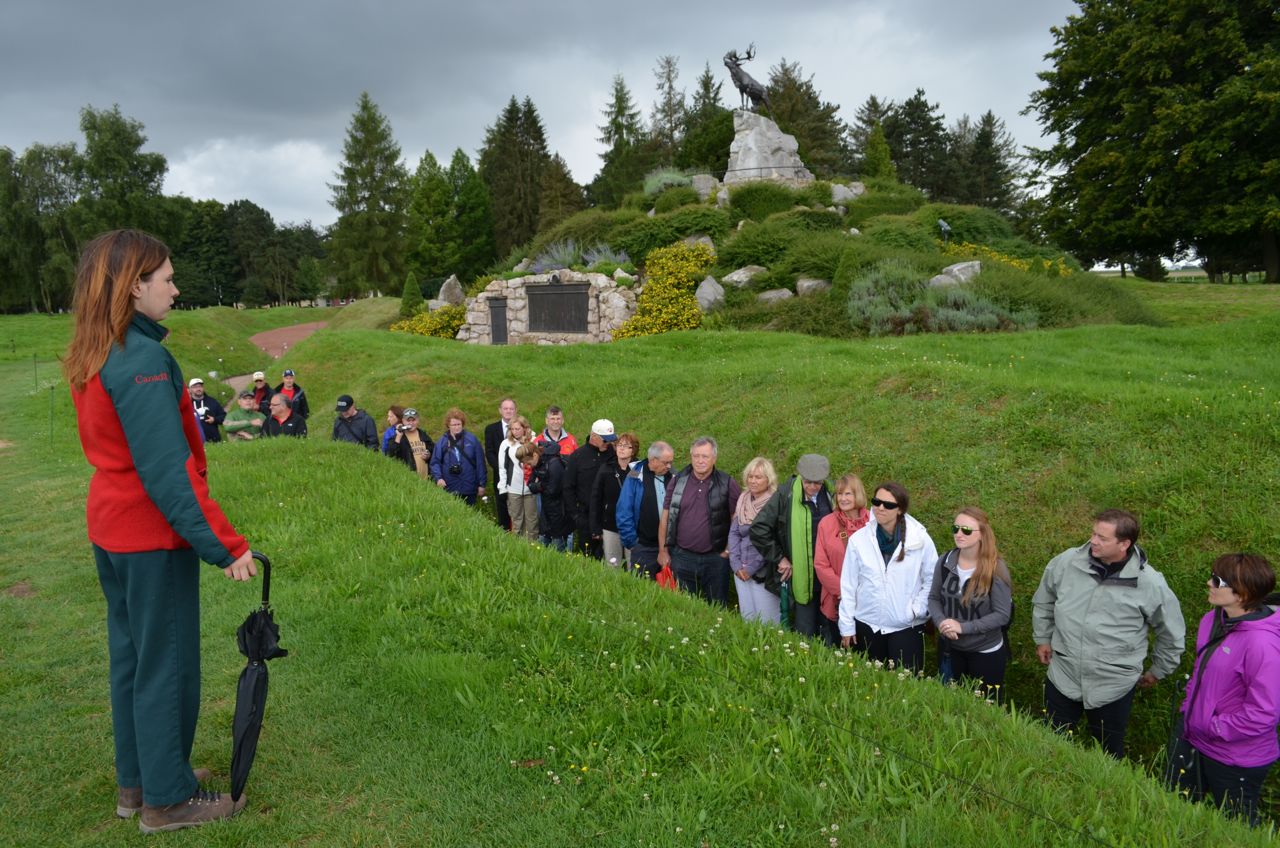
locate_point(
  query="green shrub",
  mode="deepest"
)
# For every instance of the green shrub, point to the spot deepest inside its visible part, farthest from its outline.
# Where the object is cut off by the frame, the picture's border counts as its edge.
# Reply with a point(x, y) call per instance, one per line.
point(661, 179)
point(903, 232)
point(444, 323)
point(816, 193)
point(411, 300)
point(673, 198)
point(815, 255)
point(1062, 301)
point(808, 219)
point(883, 197)
point(668, 302)
point(894, 298)
point(642, 235)
point(860, 253)
point(973, 224)
point(757, 244)
point(587, 227)
point(758, 200)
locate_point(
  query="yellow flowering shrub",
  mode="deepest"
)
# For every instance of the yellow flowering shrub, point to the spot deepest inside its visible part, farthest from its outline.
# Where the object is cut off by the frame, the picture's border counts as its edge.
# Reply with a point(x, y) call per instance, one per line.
point(964, 250)
point(667, 302)
point(444, 323)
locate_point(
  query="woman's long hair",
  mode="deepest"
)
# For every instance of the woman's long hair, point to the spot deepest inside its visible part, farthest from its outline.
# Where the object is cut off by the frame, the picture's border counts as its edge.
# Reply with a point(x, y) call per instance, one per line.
point(103, 297)
point(989, 564)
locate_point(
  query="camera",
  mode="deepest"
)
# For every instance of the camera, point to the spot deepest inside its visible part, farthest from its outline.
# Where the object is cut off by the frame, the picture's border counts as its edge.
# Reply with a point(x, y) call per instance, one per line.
point(455, 469)
point(403, 428)
point(202, 411)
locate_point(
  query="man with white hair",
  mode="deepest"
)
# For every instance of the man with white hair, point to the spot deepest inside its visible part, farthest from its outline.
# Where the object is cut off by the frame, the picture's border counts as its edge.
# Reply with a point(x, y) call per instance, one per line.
point(693, 537)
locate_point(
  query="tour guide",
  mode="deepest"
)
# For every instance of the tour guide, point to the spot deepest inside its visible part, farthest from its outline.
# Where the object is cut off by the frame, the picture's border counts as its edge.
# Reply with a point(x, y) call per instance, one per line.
point(150, 520)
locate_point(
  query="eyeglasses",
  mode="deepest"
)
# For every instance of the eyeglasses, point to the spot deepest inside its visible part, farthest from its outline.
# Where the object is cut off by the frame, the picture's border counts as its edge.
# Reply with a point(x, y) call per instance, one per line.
point(968, 531)
point(884, 504)
point(1217, 582)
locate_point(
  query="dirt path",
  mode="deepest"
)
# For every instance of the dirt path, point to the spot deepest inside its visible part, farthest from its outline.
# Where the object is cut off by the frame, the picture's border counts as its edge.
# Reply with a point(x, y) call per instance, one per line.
point(275, 343)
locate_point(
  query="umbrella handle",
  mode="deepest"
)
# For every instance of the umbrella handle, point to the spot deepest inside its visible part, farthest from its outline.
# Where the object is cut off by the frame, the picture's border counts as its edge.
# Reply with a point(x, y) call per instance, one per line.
point(266, 576)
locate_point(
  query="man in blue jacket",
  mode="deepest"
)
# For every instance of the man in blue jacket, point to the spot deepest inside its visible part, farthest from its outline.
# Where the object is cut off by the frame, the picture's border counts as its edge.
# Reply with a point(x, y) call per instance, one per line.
point(639, 508)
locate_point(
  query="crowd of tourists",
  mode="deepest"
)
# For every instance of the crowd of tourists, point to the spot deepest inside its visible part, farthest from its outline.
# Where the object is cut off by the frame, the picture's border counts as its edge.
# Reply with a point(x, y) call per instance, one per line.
point(825, 560)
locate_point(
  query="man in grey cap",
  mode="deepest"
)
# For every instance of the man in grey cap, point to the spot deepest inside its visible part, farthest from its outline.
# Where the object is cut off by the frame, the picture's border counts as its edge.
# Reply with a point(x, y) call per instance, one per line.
point(785, 533)
point(354, 425)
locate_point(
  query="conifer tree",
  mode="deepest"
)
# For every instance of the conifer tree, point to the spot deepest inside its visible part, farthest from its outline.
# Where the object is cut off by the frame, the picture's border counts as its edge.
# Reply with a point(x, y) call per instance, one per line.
point(511, 162)
point(667, 120)
point(876, 159)
point(433, 237)
point(708, 129)
point(918, 141)
point(625, 159)
point(367, 245)
point(411, 300)
point(872, 113)
point(560, 197)
point(473, 217)
point(799, 110)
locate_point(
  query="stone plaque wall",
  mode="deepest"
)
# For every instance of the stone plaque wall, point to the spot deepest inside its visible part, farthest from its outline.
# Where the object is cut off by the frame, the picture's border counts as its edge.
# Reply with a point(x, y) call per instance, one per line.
point(556, 308)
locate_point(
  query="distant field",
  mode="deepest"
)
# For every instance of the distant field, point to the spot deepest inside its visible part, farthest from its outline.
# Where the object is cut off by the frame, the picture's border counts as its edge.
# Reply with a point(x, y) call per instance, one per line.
point(1206, 303)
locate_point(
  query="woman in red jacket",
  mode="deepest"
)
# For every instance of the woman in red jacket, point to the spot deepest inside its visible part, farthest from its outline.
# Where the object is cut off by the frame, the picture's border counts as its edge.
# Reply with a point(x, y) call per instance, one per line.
point(151, 520)
point(834, 531)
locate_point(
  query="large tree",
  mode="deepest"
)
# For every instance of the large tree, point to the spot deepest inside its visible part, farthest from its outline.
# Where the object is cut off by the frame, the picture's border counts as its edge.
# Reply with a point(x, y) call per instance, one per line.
point(561, 196)
point(708, 129)
point(625, 159)
point(918, 141)
point(434, 242)
point(871, 114)
point(511, 163)
point(367, 245)
point(1166, 131)
point(205, 269)
point(473, 217)
point(667, 119)
point(800, 111)
point(119, 184)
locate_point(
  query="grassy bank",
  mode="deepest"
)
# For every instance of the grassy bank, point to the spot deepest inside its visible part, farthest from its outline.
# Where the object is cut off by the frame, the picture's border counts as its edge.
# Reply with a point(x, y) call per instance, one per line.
point(451, 686)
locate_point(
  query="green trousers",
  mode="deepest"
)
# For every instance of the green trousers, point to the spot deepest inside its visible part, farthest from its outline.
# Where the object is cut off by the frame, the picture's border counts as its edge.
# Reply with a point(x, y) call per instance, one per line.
point(153, 636)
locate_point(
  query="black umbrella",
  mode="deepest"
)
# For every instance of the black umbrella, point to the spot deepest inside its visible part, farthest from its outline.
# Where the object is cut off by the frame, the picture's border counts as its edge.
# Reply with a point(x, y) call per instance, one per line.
point(259, 640)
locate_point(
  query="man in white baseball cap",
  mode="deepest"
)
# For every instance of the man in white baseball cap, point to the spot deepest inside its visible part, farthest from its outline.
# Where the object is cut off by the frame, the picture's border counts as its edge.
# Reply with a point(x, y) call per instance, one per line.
point(579, 478)
point(209, 412)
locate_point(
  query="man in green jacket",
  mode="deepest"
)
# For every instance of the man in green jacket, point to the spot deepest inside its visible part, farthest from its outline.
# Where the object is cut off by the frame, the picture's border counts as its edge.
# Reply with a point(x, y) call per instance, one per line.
point(1093, 611)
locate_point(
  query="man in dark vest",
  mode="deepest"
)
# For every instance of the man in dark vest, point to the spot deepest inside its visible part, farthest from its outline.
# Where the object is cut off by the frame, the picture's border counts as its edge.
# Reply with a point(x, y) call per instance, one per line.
point(693, 536)
point(639, 509)
point(494, 435)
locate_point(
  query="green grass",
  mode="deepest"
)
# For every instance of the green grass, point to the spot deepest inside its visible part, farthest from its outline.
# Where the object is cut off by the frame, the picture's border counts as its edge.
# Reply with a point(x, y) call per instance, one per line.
point(449, 685)
point(1203, 303)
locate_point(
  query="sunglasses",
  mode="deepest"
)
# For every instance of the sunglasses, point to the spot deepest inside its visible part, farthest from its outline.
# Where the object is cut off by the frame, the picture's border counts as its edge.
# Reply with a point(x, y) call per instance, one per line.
point(958, 528)
point(1217, 582)
point(884, 504)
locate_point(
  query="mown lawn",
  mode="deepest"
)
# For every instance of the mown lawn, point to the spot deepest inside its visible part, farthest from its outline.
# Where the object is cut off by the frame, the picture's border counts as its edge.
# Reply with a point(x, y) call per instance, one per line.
point(449, 685)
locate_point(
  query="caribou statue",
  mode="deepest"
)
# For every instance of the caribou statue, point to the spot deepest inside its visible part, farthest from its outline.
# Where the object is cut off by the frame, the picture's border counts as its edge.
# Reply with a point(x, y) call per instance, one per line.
point(746, 84)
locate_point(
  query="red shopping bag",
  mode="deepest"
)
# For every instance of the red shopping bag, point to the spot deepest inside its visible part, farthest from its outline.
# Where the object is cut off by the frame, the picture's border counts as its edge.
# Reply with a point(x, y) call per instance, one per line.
point(667, 580)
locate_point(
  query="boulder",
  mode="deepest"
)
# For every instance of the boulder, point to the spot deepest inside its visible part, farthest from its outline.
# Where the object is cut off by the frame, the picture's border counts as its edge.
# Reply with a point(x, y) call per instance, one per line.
point(854, 231)
point(722, 198)
point(699, 239)
point(963, 272)
point(743, 276)
point(761, 151)
point(451, 291)
point(652, 212)
point(705, 185)
point(807, 285)
point(843, 194)
point(774, 295)
point(742, 223)
point(524, 265)
point(942, 281)
point(433, 305)
point(710, 294)
point(622, 276)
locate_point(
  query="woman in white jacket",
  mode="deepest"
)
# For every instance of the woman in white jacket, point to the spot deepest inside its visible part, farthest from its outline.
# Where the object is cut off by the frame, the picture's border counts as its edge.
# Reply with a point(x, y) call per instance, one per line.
point(884, 584)
point(522, 504)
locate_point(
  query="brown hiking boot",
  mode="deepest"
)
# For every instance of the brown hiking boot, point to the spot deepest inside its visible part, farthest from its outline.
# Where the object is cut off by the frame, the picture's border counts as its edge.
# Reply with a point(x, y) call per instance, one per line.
point(129, 798)
point(201, 808)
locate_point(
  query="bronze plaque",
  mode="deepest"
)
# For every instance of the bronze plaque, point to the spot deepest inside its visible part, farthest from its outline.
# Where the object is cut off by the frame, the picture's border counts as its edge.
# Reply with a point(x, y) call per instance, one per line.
point(558, 308)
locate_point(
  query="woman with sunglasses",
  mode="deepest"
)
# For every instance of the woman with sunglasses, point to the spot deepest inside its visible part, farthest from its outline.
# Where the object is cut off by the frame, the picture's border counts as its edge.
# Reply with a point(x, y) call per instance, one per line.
point(1233, 696)
point(885, 580)
point(970, 603)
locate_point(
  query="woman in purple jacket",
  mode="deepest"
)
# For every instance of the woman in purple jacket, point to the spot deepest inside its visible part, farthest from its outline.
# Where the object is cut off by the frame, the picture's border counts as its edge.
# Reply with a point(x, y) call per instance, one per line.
point(1233, 697)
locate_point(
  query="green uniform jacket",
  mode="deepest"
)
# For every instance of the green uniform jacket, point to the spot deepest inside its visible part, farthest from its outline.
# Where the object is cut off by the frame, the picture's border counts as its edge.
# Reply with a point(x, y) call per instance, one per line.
point(1098, 628)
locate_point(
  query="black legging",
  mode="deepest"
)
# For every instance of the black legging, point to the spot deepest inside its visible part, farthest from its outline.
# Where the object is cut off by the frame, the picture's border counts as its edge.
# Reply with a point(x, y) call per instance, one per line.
point(904, 647)
point(988, 668)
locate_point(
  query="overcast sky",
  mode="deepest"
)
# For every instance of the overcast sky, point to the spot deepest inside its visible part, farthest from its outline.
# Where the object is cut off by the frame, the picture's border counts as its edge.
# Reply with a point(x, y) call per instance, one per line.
point(252, 99)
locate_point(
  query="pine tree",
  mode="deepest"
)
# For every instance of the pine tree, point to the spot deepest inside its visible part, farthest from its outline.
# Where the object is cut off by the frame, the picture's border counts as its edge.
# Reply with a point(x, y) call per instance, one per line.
point(918, 141)
point(668, 119)
point(708, 129)
point(511, 162)
point(984, 163)
point(472, 216)
point(625, 160)
point(433, 238)
point(876, 159)
point(706, 98)
point(560, 197)
point(872, 113)
point(799, 111)
point(367, 245)
point(411, 300)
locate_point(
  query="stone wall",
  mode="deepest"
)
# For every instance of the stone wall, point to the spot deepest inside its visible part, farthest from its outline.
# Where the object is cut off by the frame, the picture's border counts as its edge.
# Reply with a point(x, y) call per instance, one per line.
point(608, 306)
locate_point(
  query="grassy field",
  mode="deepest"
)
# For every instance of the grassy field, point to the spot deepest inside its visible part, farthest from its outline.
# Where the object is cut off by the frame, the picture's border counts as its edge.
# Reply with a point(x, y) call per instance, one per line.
point(449, 685)
point(1205, 303)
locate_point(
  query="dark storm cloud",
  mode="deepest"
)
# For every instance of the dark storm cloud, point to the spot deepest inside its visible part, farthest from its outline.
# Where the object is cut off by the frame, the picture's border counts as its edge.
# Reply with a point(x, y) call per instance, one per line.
point(253, 99)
